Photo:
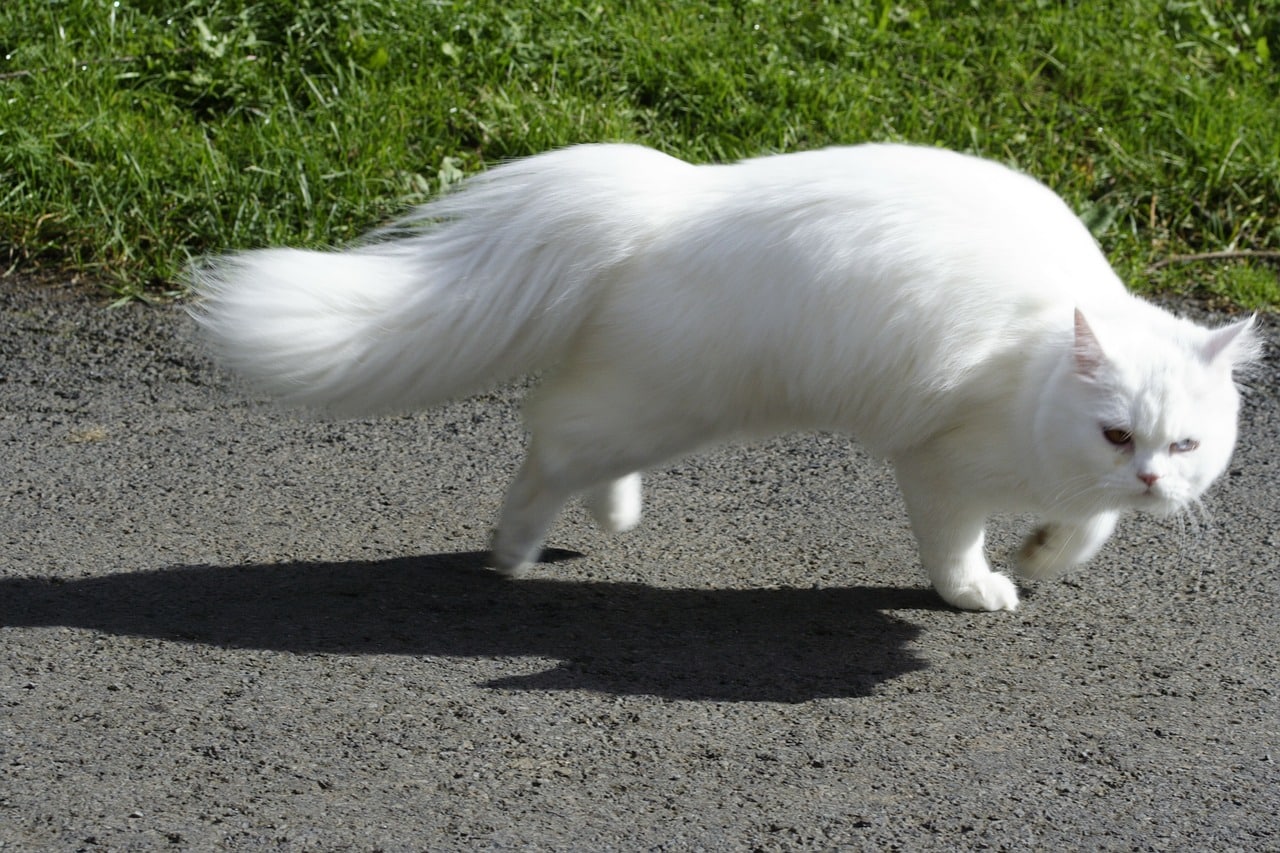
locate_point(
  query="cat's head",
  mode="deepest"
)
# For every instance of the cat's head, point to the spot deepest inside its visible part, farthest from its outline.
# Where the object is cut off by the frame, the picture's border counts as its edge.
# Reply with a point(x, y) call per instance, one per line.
point(1148, 413)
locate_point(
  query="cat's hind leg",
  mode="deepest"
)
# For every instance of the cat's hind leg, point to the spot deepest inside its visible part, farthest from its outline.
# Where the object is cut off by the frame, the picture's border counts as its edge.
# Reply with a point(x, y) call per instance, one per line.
point(532, 502)
point(1056, 546)
point(546, 481)
point(549, 477)
point(615, 505)
point(590, 434)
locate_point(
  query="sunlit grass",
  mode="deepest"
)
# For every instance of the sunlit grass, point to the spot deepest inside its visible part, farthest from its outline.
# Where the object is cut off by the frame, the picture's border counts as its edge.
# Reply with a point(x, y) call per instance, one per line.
point(136, 134)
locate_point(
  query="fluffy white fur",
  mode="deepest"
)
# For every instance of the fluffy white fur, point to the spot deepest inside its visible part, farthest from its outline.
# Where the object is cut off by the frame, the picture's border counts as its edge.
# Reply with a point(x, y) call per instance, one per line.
point(951, 314)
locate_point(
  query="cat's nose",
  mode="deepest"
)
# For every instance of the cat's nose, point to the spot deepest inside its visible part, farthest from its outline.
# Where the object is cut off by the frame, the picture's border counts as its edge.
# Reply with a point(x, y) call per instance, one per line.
point(1148, 478)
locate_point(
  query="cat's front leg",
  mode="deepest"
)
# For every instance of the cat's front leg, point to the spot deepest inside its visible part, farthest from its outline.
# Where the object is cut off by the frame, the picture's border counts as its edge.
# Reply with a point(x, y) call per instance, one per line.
point(960, 572)
point(950, 532)
point(1056, 546)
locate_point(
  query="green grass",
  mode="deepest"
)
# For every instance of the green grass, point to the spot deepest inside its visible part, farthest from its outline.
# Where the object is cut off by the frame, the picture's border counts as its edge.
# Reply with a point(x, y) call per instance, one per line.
point(136, 134)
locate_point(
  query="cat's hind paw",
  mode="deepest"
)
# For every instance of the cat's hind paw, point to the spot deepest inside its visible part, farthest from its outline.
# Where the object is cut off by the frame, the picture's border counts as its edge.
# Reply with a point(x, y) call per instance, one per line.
point(989, 592)
point(512, 559)
point(517, 571)
point(616, 505)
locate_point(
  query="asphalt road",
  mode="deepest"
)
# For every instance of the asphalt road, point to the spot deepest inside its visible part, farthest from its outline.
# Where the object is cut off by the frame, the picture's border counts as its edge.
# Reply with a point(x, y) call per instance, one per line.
point(227, 627)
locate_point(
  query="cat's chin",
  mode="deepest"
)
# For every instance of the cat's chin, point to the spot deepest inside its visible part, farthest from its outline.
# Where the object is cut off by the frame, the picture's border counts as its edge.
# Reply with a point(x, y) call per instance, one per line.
point(1158, 504)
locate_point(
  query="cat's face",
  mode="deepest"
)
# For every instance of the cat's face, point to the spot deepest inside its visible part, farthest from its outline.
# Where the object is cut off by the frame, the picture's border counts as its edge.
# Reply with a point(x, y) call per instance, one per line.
point(1148, 422)
point(1163, 433)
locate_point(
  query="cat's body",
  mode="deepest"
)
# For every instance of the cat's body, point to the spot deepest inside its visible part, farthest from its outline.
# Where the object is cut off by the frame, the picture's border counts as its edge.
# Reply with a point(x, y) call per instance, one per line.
point(952, 315)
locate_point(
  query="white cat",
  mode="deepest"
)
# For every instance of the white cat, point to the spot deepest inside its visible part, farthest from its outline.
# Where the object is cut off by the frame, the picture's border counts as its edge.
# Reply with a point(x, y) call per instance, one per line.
point(951, 314)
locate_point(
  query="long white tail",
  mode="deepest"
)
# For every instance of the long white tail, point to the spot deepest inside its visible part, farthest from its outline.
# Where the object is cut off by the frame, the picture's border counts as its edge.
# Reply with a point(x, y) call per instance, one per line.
point(485, 284)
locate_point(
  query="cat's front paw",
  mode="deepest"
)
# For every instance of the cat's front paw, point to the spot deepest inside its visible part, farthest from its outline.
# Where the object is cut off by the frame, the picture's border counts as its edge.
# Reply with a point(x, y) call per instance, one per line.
point(1048, 551)
point(1055, 547)
point(989, 592)
point(1039, 556)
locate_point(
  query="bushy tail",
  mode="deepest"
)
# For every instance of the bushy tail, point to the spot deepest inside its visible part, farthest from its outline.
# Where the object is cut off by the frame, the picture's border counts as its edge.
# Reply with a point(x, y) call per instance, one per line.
point(485, 284)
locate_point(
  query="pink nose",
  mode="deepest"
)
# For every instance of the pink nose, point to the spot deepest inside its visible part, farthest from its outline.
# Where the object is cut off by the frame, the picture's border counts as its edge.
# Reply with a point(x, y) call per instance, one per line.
point(1149, 479)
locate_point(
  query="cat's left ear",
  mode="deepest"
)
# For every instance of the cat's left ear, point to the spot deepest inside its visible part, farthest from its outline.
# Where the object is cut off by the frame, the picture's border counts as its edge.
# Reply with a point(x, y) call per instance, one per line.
point(1089, 357)
point(1233, 346)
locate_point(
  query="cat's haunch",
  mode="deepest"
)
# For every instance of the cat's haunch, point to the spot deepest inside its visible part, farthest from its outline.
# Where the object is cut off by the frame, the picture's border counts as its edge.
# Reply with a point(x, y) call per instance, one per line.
point(951, 314)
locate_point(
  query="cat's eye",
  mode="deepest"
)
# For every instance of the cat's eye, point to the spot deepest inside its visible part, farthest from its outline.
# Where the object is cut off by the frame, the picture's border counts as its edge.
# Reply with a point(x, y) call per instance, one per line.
point(1117, 436)
point(1185, 446)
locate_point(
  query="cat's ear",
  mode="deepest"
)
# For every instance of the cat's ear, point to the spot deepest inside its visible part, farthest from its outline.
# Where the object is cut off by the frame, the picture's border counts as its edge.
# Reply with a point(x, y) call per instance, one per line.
point(1233, 346)
point(1089, 357)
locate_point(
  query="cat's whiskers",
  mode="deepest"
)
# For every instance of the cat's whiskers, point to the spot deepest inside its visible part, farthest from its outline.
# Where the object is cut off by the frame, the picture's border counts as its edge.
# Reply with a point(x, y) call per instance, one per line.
point(1062, 548)
point(1071, 491)
point(1200, 513)
point(1194, 519)
point(1186, 518)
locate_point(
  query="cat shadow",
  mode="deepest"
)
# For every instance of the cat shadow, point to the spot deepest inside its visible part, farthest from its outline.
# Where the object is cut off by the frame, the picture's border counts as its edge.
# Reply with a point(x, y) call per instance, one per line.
point(781, 645)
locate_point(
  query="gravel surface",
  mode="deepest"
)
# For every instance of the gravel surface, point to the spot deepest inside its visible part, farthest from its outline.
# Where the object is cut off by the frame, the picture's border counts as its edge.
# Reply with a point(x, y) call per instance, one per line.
point(227, 627)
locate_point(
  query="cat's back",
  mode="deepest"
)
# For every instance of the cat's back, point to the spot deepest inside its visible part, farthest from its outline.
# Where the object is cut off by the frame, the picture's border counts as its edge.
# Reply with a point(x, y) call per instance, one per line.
point(943, 247)
point(900, 275)
point(903, 204)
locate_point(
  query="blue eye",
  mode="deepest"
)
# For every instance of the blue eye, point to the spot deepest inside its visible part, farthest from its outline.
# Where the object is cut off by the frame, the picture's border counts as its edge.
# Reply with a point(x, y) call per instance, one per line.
point(1185, 446)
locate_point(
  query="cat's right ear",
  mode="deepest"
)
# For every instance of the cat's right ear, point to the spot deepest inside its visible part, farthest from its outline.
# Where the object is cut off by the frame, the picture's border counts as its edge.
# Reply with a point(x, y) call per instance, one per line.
point(1089, 357)
point(1235, 346)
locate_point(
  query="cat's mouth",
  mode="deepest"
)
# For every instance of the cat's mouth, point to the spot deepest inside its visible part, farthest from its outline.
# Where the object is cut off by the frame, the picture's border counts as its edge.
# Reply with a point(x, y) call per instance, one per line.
point(1157, 501)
